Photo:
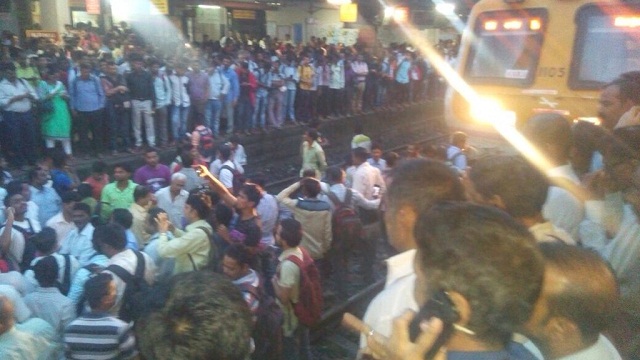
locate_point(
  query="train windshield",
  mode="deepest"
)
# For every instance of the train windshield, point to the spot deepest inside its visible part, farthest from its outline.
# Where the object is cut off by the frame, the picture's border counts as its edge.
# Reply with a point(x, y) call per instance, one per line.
point(607, 45)
point(506, 48)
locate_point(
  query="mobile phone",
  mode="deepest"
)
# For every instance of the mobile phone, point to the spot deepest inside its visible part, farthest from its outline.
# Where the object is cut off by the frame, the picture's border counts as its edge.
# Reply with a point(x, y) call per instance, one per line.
point(376, 190)
point(440, 306)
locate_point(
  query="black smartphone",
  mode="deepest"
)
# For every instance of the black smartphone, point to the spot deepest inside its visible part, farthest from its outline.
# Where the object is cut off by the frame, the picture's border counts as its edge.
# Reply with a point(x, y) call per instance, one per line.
point(440, 306)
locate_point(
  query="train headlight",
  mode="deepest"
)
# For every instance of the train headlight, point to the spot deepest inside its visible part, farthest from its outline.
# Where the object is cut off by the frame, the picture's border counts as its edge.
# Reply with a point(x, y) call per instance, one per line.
point(491, 111)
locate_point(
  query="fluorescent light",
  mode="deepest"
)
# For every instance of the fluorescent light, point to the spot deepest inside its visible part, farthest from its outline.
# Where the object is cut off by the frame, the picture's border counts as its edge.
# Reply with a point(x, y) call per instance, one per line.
point(389, 11)
point(339, 2)
point(209, 6)
point(445, 8)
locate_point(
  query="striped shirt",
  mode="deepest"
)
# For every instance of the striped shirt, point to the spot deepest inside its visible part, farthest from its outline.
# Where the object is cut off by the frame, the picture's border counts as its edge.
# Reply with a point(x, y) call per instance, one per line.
point(99, 336)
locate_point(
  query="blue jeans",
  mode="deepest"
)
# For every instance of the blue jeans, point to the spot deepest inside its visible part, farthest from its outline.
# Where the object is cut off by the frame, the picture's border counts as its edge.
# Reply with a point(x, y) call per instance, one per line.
point(245, 114)
point(260, 110)
point(212, 115)
point(297, 346)
point(229, 110)
point(381, 94)
point(289, 104)
point(179, 116)
point(20, 136)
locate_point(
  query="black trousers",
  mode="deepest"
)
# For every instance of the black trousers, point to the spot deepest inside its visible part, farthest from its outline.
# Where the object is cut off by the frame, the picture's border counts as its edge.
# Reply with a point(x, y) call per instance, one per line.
point(91, 122)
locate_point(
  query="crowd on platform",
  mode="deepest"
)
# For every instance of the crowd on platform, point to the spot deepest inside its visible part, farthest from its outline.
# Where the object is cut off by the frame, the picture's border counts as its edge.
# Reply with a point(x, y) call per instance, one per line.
point(191, 260)
point(118, 92)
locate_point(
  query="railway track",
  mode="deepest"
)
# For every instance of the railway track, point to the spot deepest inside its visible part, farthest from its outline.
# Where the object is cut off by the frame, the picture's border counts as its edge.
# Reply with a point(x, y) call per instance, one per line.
point(329, 340)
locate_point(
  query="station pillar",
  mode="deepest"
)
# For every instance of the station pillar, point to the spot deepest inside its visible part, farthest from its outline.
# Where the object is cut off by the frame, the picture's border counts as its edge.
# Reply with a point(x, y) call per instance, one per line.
point(55, 15)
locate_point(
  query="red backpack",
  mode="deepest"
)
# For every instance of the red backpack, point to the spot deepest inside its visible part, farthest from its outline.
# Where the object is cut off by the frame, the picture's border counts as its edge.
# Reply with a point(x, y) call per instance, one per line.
point(308, 309)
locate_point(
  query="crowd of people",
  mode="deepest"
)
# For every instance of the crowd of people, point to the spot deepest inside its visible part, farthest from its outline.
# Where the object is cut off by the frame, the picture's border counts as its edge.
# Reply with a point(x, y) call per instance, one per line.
point(117, 92)
point(192, 260)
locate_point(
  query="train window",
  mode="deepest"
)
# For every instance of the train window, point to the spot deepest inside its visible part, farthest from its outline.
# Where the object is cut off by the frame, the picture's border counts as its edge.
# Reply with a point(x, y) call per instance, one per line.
point(506, 49)
point(607, 45)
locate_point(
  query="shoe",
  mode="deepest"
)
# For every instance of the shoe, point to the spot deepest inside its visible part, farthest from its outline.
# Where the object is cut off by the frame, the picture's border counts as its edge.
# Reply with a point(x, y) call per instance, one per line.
point(114, 153)
point(128, 151)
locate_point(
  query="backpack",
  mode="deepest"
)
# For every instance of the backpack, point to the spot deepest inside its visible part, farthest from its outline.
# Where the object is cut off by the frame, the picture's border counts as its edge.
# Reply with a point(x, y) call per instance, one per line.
point(136, 291)
point(212, 262)
point(345, 223)
point(267, 331)
point(29, 247)
point(308, 309)
point(238, 178)
point(65, 285)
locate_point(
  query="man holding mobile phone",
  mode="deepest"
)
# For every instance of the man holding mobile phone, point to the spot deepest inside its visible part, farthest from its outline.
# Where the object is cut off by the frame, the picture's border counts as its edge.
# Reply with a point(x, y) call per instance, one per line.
point(416, 186)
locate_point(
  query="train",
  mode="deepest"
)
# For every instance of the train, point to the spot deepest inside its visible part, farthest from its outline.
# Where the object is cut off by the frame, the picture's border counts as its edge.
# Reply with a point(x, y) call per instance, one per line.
point(523, 57)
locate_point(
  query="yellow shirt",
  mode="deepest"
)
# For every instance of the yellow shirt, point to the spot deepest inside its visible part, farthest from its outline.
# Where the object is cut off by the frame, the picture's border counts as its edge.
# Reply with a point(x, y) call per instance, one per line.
point(306, 75)
point(192, 241)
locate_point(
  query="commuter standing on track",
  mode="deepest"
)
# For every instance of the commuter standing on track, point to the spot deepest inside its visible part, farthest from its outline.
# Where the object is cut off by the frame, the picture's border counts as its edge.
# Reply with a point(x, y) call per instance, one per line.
point(312, 154)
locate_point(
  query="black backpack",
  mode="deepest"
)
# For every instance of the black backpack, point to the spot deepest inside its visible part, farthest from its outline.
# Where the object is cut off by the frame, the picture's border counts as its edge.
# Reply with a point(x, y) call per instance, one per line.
point(212, 262)
point(65, 285)
point(29, 247)
point(267, 331)
point(136, 291)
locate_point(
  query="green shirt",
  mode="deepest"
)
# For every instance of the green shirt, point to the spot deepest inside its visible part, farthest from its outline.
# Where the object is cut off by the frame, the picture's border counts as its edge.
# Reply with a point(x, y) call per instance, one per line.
point(114, 198)
point(29, 73)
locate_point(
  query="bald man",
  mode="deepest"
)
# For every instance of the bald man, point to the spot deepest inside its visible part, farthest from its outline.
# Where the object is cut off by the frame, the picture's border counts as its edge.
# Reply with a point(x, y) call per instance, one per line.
point(578, 302)
point(24, 343)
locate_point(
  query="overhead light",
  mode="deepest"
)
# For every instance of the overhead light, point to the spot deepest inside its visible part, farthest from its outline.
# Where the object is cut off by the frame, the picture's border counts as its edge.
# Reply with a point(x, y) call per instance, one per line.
point(389, 11)
point(208, 6)
point(445, 8)
point(339, 2)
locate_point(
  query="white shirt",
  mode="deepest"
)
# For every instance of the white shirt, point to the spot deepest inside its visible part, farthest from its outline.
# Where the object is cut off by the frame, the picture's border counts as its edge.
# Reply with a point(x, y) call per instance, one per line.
point(219, 85)
point(622, 251)
point(216, 165)
point(50, 305)
point(9, 90)
point(267, 210)
point(226, 177)
point(128, 260)
point(365, 177)
point(239, 156)
point(79, 245)
point(562, 208)
point(381, 164)
point(396, 297)
point(74, 265)
point(603, 349)
point(17, 280)
point(61, 226)
point(21, 311)
point(340, 190)
point(173, 206)
point(162, 88)
point(179, 94)
point(16, 248)
point(458, 161)
point(32, 210)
